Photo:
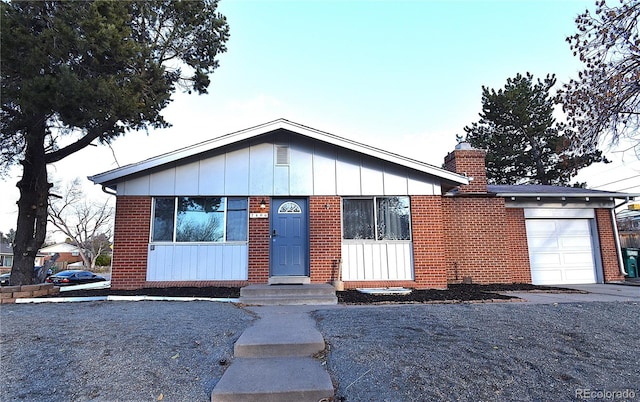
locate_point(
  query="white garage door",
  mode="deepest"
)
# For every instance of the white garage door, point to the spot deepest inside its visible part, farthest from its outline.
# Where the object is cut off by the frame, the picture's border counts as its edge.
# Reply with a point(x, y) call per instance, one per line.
point(560, 251)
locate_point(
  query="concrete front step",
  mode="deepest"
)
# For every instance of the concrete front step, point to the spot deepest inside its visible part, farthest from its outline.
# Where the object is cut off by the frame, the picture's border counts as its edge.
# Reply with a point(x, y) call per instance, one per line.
point(289, 280)
point(280, 335)
point(276, 379)
point(270, 295)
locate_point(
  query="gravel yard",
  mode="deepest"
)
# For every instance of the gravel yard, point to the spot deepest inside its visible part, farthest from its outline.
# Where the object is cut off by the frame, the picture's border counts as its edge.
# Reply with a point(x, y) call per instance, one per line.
point(482, 352)
point(116, 351)
point(172, 351)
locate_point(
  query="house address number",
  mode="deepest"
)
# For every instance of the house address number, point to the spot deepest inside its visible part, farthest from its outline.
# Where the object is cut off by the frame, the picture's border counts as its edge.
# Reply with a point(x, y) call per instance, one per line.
point(258, 215)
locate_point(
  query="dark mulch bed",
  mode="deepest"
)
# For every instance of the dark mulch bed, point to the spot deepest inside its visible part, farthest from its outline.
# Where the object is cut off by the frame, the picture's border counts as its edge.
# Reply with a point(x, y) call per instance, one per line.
point(455, 293)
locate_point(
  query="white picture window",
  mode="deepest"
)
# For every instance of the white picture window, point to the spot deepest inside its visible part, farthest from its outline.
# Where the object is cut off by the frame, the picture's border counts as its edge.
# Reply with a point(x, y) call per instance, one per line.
point(376, 218)
point(199, 219)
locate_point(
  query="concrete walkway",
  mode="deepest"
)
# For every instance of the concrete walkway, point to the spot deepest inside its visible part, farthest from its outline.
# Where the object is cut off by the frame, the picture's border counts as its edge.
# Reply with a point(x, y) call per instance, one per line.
point(274, 360)
point(596, 293)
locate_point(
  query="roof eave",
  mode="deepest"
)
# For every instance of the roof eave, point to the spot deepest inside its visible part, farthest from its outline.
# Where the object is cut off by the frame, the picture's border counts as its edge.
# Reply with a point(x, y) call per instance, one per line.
point(610, 196)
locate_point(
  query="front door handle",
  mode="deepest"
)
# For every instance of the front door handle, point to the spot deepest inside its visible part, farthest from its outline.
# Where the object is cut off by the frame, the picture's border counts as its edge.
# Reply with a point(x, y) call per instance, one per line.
point(274, 233)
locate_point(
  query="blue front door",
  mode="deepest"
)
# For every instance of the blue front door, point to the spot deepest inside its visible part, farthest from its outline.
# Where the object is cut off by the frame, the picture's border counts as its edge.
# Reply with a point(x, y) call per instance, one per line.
point(289, 237)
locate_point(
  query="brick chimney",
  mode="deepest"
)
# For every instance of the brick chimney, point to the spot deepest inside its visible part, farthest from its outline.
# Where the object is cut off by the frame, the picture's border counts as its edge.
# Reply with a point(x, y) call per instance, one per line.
point(470, 162)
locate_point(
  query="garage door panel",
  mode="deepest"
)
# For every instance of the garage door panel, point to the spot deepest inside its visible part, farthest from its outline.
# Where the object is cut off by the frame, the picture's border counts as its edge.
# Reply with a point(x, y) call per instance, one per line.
point(573, 227)
point(560, 251)
point(577, 276)
point(577, 259)
point(546, 277)
point(542, 228)
point(546, 260)
point(575, 243)
point(546, 243)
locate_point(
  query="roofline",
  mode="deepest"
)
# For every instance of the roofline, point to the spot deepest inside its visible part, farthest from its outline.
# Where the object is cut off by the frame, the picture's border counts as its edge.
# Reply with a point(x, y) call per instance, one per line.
point(265, 128)
point(569, 195)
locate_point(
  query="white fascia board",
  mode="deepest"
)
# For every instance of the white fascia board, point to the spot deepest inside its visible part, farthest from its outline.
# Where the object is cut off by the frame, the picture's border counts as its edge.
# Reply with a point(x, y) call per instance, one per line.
point(265, 128)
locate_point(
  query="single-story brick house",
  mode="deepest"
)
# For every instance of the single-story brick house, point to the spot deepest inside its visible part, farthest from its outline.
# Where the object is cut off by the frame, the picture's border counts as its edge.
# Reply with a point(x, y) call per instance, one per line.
point(282, 202)
point(67, 253)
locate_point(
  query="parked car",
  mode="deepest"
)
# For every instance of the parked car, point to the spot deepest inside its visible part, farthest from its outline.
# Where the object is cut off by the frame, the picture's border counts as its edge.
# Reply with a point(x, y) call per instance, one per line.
point(74, 277)
point(4, 278)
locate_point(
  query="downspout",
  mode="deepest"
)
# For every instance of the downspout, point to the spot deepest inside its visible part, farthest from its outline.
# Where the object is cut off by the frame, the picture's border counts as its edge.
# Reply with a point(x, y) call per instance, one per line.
point(616, 236)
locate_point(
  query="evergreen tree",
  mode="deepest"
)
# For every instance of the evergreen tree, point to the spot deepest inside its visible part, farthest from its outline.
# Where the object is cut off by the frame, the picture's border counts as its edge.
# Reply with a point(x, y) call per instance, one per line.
point(524, 142)
point(75, 72)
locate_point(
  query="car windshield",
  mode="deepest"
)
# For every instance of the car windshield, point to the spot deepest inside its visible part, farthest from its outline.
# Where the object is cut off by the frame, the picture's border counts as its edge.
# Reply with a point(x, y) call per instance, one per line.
point(65, 273)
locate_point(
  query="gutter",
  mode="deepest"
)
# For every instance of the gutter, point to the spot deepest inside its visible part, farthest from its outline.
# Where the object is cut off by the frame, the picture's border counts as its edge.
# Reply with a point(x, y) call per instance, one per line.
point(109, 191)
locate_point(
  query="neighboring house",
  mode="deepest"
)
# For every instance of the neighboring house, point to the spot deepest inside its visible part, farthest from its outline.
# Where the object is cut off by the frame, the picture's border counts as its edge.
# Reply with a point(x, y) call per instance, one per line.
point(629, 226)
point(6, 257)
point(69, 253)
point(282, 202)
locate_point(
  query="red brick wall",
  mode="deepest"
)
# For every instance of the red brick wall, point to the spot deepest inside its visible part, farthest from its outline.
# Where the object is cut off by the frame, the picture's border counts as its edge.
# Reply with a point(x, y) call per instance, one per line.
point(476, 239)
point(471, 163)
point(130, 242)
point(610, 263)
point(519, 265)
point(429, 254)
point(259, 242)
point(325, 238)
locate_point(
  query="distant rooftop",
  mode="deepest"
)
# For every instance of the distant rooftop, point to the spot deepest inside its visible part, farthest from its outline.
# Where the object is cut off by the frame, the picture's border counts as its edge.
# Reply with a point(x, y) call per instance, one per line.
point(5, 248)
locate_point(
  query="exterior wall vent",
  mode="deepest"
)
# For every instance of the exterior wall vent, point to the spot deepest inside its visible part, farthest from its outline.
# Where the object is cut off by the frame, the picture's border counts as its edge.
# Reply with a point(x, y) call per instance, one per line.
point(282, 155)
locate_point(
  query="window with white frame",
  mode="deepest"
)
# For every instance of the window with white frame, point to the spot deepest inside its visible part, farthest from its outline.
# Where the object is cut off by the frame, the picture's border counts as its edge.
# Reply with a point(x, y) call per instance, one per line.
point(199, 219)
point(376, 218)
point(7, 260)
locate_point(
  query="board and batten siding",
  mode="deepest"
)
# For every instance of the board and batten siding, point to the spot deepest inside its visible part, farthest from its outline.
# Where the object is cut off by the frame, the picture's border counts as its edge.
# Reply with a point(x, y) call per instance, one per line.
point(314, 168)
point(375, 261)
point(197, 262)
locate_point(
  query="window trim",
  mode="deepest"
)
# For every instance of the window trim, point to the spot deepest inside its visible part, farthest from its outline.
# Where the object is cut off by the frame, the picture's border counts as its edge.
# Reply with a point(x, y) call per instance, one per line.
point(375, 220)
point(175, 221)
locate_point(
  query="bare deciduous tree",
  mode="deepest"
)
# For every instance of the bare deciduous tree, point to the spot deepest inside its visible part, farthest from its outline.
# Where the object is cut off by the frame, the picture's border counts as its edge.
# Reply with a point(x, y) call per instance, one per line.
point(603, 103)
point(88, 224)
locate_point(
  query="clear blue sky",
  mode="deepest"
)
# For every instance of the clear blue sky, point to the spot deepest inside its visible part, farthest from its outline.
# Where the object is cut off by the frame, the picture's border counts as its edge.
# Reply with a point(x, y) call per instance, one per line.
point(403, 76)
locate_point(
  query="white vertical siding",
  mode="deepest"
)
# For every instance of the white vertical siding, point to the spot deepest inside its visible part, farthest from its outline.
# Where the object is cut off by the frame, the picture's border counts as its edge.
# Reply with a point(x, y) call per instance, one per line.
point(395, 181)
point(197, 262)
point(261, 160)
point(211, 178)
point(372, 179)
point(314, 169)
point(163, 182)
point(348, 176)
point(377, 261)
point(135, 186)
point(187, 178)
point(324, 170)
point(236, 171)
point(301, 176)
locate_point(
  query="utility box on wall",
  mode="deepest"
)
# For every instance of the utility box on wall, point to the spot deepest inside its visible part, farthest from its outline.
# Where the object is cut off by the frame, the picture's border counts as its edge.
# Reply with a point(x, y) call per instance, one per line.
point(630, 257)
